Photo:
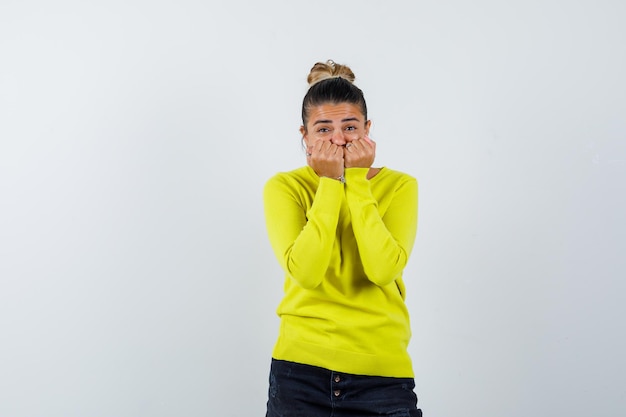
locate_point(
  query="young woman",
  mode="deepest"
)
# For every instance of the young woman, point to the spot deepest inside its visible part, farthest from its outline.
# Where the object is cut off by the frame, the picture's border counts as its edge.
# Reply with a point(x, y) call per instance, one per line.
point(342, 231)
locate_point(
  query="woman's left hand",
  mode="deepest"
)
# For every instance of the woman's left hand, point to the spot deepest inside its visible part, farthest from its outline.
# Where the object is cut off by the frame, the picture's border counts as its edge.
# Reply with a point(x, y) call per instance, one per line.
point(359, 153)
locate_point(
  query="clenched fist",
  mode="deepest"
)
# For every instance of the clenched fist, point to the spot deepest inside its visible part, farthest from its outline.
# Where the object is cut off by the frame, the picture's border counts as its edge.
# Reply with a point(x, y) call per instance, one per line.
point(326, 158)
point(359, 153)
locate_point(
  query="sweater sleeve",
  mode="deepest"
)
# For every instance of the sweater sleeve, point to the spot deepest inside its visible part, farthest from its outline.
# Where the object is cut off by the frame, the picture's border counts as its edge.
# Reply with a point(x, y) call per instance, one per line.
point(385, 242)
point(302, 241)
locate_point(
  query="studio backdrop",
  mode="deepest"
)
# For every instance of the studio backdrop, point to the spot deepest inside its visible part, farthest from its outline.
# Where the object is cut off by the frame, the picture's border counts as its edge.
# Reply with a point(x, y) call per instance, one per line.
point(136, 278)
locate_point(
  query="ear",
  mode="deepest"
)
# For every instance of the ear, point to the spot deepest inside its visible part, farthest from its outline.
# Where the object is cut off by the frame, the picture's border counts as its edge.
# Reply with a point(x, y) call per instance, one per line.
point(303, 133)
point(368, 124)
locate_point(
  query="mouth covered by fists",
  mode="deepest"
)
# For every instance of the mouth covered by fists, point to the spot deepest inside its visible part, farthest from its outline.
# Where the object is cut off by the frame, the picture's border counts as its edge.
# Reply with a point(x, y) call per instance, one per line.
point(329, 160)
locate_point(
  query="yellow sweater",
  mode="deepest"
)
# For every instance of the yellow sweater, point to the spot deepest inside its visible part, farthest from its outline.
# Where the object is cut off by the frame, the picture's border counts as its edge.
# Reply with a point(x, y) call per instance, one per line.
point(343, 248)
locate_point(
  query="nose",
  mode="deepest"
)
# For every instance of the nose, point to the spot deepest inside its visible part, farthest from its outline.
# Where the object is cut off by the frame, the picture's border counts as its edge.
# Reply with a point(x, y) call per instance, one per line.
point(338, 138)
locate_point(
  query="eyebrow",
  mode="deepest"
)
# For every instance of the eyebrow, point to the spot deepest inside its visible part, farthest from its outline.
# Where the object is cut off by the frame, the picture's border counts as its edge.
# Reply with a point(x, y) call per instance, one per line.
point(348, 119)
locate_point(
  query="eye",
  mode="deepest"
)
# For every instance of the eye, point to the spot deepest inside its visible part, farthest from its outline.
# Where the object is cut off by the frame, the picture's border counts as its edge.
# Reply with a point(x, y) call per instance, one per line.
point(323, 130)
point(351, 128)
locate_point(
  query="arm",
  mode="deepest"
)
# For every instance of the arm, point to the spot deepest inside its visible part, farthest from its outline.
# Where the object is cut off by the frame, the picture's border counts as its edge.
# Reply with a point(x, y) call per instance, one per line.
point(302, 241)
point(384, 243)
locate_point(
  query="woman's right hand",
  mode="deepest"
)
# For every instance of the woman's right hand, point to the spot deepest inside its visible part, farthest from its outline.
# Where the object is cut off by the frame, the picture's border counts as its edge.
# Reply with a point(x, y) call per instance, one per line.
point(326, 159)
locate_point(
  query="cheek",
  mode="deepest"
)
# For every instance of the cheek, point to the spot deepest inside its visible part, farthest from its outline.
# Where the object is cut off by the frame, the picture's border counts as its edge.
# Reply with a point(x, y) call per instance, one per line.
point(321, 136)
point(313, 137)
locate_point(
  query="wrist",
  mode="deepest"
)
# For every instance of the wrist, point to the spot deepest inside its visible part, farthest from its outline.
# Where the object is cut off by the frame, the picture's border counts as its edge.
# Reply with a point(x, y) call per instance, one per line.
point(340, 178)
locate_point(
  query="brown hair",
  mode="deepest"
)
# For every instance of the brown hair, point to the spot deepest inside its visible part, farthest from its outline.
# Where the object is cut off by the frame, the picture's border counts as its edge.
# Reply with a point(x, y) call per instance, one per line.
point(330, 82)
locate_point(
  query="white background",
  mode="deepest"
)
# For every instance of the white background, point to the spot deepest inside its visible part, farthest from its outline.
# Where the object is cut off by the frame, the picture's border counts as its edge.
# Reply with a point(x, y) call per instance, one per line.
point(135, 138)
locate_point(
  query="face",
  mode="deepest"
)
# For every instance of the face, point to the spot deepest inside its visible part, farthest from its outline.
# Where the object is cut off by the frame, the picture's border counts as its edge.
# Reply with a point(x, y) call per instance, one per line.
point(339, 123)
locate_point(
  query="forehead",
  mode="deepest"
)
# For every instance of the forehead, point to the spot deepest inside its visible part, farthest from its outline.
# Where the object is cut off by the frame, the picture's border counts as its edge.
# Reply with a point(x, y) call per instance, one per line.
point(335, 112)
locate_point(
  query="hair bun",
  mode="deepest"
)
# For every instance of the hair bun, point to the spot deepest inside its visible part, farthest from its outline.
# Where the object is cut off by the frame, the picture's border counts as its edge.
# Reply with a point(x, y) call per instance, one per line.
point(329, 69)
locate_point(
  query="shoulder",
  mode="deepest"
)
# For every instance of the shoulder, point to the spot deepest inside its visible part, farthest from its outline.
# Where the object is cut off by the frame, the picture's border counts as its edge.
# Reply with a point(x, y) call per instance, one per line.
point(297, 175)
point(296, 179)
